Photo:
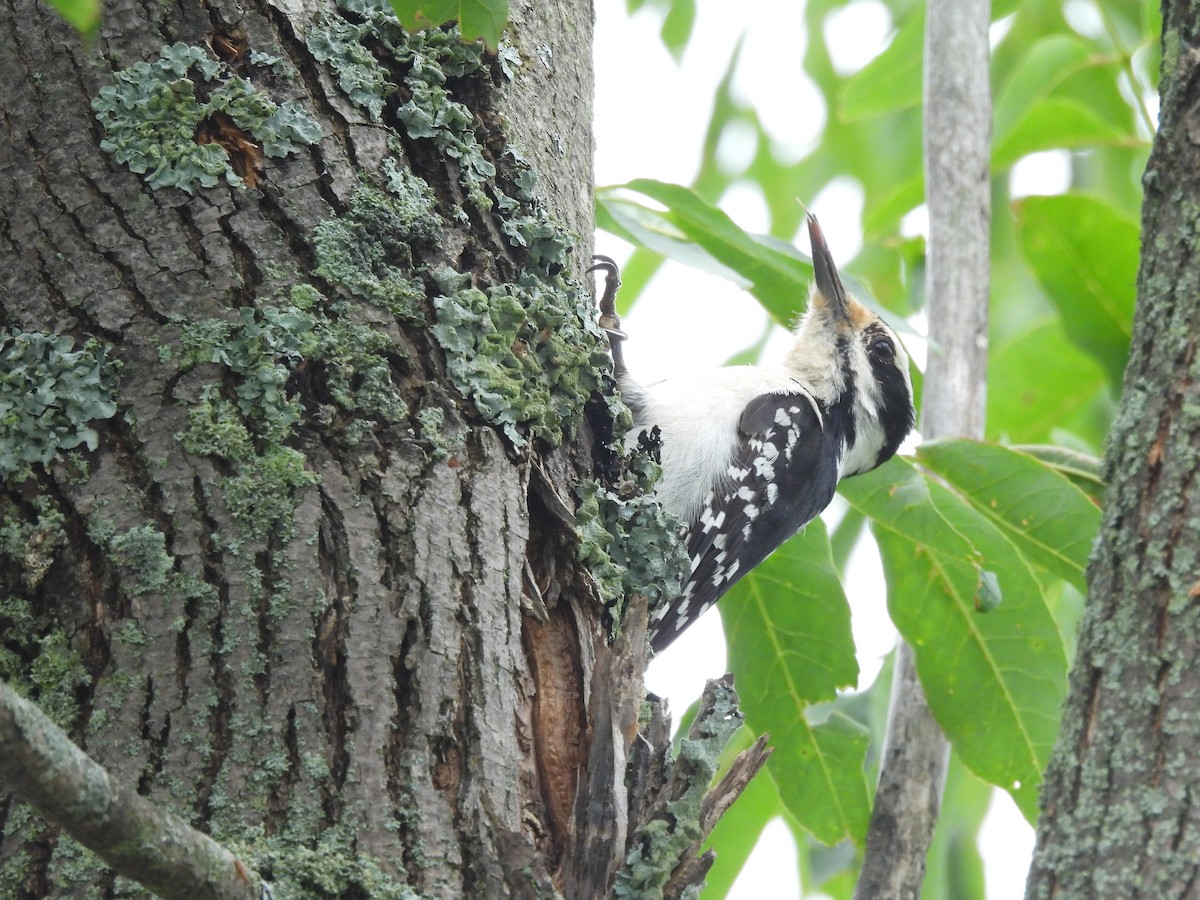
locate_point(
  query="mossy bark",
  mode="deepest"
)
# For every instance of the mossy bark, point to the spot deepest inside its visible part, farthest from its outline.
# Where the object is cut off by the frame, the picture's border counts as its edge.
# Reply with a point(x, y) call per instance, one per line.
point(1120, 817)
point(302, 593)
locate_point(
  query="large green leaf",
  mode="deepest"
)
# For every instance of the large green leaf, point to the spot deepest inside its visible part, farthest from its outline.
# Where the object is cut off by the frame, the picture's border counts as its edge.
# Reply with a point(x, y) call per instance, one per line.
point(1042, 383)
point(988, 652)
point(790, 645)
point(1046, 517)
point(695, 232)
point(1083, 470)
point(1085, 256)
point(892, 80)
point(84, 15)
point(1053, 124)
point(1045, 66)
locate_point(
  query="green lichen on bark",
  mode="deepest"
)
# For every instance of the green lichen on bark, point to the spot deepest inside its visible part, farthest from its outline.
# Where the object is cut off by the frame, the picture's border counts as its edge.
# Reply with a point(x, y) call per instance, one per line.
point(674, 828)
point(32, 540)
point(367, 250)
point(331, 868)
point(50, 396)
point(152, 113)
point(37, 658)
point(349, 44)
point(629, 543)
point(525, 352)
point(248, 418)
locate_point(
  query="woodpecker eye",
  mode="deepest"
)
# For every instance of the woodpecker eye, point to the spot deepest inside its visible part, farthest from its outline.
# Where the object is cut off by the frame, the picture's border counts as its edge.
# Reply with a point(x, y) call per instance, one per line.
point(882, 348)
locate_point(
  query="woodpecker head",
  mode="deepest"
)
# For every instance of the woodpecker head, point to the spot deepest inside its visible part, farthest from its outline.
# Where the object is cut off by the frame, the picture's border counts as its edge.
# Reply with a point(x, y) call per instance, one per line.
point(854, 365)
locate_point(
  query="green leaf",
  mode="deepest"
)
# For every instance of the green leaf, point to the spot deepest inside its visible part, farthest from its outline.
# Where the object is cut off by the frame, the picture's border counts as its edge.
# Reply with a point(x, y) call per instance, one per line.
point(417, 15)
point(892, 80)
point(1047, 384)
point(1084, 471)
point(83, 15)
point(1085, 256)
point(790, 645)
point(483, 19)
point(1042, 69)
point(697, 233)
point(1049, 520)
point(995, 680)
point(1053, 124)
point(476, 18)
point(677, 27)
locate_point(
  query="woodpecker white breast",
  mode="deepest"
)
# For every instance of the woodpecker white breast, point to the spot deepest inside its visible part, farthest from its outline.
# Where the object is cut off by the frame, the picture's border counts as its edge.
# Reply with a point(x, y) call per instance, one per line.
point(751, 454)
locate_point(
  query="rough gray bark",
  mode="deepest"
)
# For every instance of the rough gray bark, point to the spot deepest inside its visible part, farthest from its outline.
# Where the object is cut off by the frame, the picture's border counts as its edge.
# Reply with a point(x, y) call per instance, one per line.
point(331, 669)
point(957, 129)
point(1119, 812)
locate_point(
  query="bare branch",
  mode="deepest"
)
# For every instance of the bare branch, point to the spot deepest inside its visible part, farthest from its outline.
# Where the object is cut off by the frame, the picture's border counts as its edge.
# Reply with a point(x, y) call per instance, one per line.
point(662, 857)
point(137, 839)
point(957, 149)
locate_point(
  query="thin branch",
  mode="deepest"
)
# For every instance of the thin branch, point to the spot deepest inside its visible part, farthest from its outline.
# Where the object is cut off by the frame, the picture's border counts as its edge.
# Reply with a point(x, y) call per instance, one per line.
point(44, 768)
point(957, 133)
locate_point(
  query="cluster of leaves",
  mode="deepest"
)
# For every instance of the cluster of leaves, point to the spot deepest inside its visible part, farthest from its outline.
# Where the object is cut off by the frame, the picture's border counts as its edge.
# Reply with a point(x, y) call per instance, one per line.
point(50, 394)
point(152, 113)
point(983, 544)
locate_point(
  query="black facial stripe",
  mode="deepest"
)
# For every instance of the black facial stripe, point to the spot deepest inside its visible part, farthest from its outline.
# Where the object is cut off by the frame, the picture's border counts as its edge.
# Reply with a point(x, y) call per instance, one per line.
point(896, 412)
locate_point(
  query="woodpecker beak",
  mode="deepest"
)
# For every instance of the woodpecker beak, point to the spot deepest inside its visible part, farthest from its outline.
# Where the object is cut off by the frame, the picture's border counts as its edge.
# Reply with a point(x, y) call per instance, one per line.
point(829, 284)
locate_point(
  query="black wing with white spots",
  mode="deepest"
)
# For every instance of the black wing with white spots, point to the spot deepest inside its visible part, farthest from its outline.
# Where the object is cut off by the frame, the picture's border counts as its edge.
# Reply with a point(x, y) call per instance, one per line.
point(780, 478)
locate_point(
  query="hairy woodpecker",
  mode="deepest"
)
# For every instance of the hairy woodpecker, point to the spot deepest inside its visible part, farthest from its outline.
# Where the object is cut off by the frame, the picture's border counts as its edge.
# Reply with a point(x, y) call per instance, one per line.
point(752, 454)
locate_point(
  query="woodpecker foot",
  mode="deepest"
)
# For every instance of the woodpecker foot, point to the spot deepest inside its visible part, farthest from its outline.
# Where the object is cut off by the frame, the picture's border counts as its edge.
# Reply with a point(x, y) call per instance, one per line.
point(609, 320)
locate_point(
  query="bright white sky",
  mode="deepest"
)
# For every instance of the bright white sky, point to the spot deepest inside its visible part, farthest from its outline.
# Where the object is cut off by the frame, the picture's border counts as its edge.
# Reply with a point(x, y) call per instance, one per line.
point(650, 120)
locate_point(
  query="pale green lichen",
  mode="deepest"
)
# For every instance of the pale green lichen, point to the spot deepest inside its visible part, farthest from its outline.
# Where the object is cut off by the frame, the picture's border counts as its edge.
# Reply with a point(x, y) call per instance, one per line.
point(152, 113)
point(333, 867)
point(50, 395)
point(367, 250)
point(142, 555)
point(432, 421)
point(32, 543)
point(261, 351)
point(335, 41)
point(629, 543)
point(526, 352)
point(429, 58)
point(37, 657)
point(660, 844)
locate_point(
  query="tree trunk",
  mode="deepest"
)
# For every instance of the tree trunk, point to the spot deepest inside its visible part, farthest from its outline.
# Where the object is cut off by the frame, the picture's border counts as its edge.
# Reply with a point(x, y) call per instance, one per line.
point(1120, 816)
point(288, 534)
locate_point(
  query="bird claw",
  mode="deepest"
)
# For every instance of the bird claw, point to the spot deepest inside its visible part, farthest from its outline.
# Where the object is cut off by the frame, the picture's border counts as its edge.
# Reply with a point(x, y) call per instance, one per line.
point(609, 320)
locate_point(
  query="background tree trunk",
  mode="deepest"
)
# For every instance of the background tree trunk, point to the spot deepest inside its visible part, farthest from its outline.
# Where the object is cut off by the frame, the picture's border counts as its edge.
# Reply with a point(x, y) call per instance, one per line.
point(291, 592)
point(1119, 816)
